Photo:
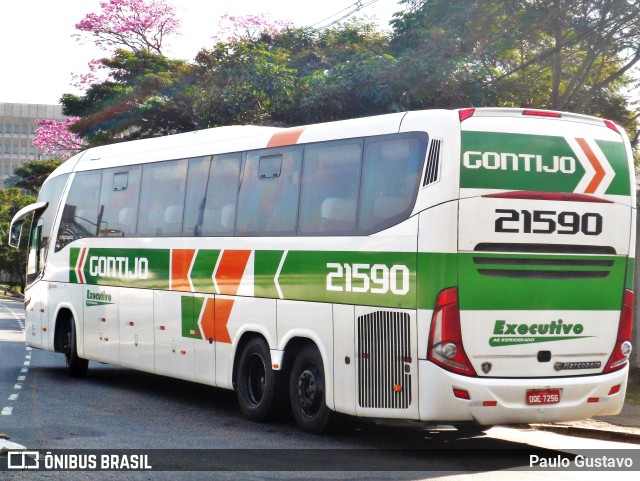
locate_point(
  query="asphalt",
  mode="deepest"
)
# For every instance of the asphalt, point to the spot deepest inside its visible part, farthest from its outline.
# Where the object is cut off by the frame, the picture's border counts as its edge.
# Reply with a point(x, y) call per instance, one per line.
point(624, 427)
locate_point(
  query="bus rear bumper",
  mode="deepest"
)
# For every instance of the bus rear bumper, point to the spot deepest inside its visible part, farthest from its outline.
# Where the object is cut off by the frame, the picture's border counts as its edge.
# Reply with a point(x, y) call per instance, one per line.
point(504, 401)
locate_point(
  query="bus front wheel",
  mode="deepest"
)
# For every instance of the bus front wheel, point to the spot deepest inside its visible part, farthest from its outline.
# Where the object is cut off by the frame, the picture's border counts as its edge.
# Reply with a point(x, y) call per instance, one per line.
point(259, 387)
point(76, 366)
point(307, 391)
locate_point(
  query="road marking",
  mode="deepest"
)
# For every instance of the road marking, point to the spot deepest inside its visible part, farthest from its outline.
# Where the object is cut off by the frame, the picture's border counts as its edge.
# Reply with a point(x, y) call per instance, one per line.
point(8, 410)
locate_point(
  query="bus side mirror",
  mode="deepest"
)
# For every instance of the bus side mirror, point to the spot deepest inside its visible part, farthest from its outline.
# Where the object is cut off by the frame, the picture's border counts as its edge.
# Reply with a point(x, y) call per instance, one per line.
point(14, 234)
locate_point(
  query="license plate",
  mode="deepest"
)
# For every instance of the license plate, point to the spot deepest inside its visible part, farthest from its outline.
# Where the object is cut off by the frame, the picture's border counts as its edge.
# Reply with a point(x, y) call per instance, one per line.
point(543, 396)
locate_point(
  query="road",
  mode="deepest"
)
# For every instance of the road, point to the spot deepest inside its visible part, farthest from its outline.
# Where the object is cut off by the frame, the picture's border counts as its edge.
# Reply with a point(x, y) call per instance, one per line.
point(116, 408)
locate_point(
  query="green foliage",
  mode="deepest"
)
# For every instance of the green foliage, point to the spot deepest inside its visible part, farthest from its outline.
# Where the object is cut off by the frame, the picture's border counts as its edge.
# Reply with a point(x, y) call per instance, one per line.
point(31, 175)
point(240, 83)
point(146, 95)
point(567, 55)
point(12, 260)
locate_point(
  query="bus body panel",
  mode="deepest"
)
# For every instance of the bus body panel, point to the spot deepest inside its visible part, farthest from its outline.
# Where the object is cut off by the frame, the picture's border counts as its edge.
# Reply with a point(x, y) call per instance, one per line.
point(185, 306)
point(137, 335)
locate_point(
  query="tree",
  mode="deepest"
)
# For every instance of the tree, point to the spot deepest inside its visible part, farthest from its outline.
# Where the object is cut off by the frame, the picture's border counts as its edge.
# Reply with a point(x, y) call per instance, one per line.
point(137, 25)
point(145, 95)
point(12, 260)
point(571, 55)
point(241, 82)
point(31, 175)
point(55, 138)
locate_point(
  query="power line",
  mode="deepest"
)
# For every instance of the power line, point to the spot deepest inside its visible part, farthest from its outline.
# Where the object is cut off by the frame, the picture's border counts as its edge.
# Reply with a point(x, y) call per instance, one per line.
point(351, 9)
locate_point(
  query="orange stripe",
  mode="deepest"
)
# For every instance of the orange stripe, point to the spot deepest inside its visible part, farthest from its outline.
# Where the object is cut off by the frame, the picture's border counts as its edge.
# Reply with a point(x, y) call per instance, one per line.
point(180, 263)
point(223, 312)
point(600, 172)
point(230, 270)
point(286, 137)
point(208, 320)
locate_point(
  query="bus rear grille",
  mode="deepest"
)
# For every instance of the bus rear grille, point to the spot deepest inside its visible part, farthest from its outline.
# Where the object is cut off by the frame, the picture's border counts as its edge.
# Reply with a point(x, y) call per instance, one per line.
point(543, 268)
point(383, 352)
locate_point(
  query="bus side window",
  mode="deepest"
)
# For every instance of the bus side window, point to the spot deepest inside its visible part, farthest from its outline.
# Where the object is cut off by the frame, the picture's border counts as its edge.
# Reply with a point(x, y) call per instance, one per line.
point(390, 177)
point(269, 196)
point(197, 179)
point(212, 196)
point(162, 195)
point(80, 213)
point(330, 184)
point(119, 196)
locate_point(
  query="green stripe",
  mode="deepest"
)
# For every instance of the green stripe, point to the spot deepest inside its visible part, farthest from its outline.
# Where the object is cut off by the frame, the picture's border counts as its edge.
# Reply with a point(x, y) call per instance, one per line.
point(390, 279)
point(531, 162)
point(483, 292)
point(202, 271)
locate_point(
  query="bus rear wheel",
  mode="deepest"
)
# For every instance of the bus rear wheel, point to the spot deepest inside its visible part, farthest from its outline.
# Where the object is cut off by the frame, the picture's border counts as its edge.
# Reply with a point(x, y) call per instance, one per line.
point(76, 366)
point(259, 388)
point(307, 391)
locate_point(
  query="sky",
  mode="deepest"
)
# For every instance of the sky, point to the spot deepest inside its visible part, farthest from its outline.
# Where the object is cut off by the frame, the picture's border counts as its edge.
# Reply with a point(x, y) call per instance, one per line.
point(39, 54)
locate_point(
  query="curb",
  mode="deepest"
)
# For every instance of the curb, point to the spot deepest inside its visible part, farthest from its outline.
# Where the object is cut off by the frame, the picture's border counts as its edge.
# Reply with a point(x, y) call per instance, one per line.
point(602, 434)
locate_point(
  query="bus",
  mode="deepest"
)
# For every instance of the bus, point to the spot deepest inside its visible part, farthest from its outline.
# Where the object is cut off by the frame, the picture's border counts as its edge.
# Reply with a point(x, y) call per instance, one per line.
point(472, 266)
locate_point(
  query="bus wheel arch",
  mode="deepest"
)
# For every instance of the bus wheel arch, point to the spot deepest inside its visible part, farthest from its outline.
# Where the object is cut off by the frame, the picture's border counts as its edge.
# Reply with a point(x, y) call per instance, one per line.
point(260, 389)
point(66, 341)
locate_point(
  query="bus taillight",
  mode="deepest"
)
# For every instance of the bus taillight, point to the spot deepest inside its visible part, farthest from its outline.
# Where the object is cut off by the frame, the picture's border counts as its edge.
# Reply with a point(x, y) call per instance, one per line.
point(445, 337)
point(622, 350)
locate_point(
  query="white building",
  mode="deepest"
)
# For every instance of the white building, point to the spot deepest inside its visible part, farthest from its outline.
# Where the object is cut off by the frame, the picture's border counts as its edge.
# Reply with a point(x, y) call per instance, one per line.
point(18, 124)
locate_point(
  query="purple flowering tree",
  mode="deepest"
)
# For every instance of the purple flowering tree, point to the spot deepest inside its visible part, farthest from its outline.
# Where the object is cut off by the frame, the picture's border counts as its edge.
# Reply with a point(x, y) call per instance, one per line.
point(248, 27)
point(131, 24)
point(55, 138)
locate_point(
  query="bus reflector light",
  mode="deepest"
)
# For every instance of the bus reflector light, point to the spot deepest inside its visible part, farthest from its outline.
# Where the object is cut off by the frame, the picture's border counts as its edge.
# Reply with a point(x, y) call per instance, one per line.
point(614, 390)
point(445, 338)
point(542, 113)
point(620, 356)
point(44, 329)
point(611, 125)
point(552, 196)
point(465, 114)
point(461, 394)
point(397, 388)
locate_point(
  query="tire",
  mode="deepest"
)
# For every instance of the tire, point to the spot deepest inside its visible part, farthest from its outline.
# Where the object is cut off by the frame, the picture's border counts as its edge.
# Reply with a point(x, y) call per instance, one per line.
point(261, 391)
point(307, 391)
point(76, 366)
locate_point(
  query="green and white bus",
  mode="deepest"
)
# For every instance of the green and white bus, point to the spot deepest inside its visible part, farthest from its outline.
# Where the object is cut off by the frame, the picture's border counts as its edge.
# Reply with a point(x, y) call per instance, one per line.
point(468, 266)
